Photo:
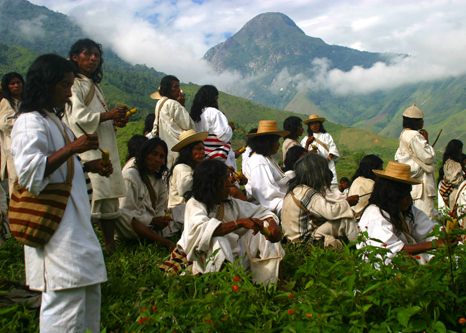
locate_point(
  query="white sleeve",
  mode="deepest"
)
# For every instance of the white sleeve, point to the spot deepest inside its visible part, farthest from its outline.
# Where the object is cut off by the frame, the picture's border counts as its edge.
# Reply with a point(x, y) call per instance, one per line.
point(332, 147)
point(220, 126)
point(180, 116)
point(422, 150)
point(265, 189)
point(129, 206)
point(422, 226)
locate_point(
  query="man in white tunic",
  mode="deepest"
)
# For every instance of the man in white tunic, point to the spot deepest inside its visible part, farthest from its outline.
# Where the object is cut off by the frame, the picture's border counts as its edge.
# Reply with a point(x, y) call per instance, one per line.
point(69, 268)
point(171, 117)
point(91, 114)
point(215, 221)
point(414, 150)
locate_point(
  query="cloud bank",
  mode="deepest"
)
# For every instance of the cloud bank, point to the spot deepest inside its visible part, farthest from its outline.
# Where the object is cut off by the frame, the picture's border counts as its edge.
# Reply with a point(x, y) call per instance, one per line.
point(172, 36)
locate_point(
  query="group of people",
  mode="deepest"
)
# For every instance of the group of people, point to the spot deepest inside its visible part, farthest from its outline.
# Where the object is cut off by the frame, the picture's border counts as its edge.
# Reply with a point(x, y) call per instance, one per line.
point(181, 177)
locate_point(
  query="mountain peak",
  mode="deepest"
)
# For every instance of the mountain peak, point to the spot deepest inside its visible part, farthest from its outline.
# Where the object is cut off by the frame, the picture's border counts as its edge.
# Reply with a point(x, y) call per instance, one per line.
point(271, 24)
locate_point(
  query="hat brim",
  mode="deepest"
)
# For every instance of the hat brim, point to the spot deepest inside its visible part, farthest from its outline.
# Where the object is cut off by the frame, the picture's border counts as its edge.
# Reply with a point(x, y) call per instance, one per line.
point(281, 133)
point(307, 121)
point(201, 136)
point(411, 181)
point(156, 95)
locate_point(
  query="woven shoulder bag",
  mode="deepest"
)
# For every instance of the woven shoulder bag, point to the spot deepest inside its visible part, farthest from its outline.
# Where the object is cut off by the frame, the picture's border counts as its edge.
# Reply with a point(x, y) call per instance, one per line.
point(34, 219)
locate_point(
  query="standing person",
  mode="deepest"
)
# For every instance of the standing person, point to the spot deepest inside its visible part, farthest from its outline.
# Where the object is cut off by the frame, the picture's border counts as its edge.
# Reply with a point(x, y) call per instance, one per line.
point(12, 87)
point(91, 113)
point(208, 118)
point(69, 268)
point(453, 174)
point(414, 150)
point(171, 117)
point(320, 142)
point(294, 125)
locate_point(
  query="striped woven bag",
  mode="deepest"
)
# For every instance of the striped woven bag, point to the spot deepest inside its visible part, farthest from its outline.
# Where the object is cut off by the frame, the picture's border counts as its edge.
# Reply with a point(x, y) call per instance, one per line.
point(34, 219)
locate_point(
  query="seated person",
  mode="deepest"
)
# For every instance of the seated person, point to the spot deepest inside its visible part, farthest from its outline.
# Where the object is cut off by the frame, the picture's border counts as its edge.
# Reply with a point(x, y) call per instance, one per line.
point(308, 213)
point(134, 144)
point(144, 206)
point(392, 218)
point(292, 156)
point(214, 221)
point(344, 185)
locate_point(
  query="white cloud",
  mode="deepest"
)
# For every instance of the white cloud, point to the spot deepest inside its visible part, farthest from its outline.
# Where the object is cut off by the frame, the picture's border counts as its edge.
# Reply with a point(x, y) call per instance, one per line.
point(31, 29)
point(172, 36)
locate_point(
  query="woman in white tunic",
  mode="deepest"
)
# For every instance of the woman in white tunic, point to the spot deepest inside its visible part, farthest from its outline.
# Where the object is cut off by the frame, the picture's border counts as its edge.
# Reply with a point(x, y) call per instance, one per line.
point(363, 182)
point(145, 204)
point(414, 150)
point(307, 211)
point(191, 153)
point(453, 174)
point(214, 221)
point(12, 88)
point(319, 141)
point(208, 118)
point(391, 218)
point(70, 267)
point(267, 182)
point(294, 125)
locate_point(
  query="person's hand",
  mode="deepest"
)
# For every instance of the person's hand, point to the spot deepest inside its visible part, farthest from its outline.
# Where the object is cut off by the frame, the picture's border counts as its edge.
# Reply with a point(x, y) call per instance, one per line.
point(232, 125)
point(83, 143)
point(181, 98)
point(249, 224)
point(309, 141)
point(449, 240)
point(118, 114)
point(353, 200)
point(97, 166)
point(424, 134)
point(161, 222)
point(169, 245)
point(121, 123)
point(275, 233)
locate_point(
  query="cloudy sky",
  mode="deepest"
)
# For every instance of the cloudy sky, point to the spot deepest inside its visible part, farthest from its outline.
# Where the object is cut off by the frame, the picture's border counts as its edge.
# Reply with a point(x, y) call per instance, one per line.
point(173, 35)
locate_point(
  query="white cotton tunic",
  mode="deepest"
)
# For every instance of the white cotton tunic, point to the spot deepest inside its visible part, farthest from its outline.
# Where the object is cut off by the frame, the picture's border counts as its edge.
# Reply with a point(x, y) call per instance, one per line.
point(217, 145)
point(73, 256)
point(379, 227)
point(199, 243)
point(88, 117)
point(7, 120)
point(267, 182)
point(327, 139)
point(287, 144)
point(137, 204)
point(174, 120)
point(180, 182)
point(422, 194)
point(361, 186)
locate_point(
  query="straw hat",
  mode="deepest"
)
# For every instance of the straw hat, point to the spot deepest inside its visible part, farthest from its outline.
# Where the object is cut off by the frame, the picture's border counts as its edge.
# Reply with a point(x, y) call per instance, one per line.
point(314, 117)
point(188, 137)
point(413, 112)
point(268, 127)
point(399, 172)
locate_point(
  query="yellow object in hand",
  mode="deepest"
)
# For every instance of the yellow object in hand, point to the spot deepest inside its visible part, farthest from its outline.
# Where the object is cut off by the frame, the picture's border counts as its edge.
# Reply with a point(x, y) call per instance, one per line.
point(241, 150)
point(131, 112)
point(105, 157)
point(452, 225)
point(265, 231)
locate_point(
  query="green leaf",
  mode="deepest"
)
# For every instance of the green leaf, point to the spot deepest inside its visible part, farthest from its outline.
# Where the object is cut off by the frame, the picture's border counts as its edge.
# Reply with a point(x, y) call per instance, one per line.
point(439, 327)
point(404, 316)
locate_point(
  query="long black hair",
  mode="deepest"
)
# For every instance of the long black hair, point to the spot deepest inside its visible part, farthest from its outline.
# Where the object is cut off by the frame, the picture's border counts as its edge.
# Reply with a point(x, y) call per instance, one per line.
point(452, 151)
point(263, 144)
point(311, 170)
point(292, 156)
point(387, 195)
point(208, 180)
point(135, 144)
point(45, 72)
point(292, 124)
point(205, 97)
point(367, 164)
point(88, 44)
point(185, 157)
point(309, 130)
point(166, 85)
point(145, 150)
point(7, 78)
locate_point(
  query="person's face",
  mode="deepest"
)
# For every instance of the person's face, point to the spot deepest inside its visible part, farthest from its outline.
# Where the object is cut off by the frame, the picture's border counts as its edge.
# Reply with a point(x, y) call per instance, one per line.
point(315, 126)
point(175, 90)
point(300, 130)
point(155, 159)
point(225, 187)
point(198, 153)
point(276, 145)
point(406, 202)
point(61, 93)
point(88, 60)
point(344, 184)
point(16, 87)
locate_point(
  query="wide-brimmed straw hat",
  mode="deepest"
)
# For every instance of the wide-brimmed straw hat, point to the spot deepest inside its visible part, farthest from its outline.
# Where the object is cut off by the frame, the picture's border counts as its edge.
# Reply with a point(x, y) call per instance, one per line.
point(188, 137)
point(413, 112)
point(314, 117)
point(399, 172)
point(268, 127)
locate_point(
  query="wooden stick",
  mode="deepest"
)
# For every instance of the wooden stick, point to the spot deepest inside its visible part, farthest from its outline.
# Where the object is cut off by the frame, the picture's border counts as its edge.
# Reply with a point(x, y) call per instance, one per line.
point(365, 194)
point(438, 135)
point(82, 130)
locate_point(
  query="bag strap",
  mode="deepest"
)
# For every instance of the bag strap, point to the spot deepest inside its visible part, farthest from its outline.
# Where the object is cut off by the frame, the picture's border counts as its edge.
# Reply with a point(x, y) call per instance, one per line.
point(70, 161)
point(426, 168)
point(221, 212)
point(158, 115)
point(322, 144)
point(90, 95)
point(300, 205)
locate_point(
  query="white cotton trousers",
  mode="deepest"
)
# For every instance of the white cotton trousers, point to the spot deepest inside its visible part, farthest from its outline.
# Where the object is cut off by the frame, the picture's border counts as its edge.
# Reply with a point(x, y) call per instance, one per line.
point(71, 310)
